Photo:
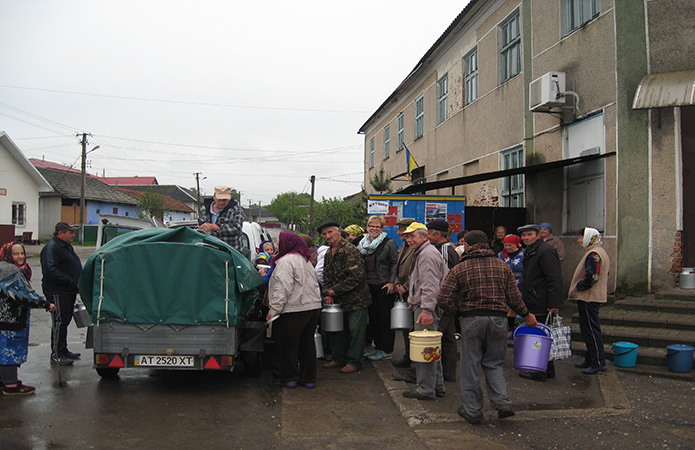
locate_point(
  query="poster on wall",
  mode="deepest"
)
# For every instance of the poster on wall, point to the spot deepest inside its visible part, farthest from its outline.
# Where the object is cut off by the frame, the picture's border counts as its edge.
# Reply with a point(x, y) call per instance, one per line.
point(435, 211)
point(377, 207)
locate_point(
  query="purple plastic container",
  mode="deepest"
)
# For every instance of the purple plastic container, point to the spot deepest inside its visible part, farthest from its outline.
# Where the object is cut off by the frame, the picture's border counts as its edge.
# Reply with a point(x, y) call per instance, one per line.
point(531, 351)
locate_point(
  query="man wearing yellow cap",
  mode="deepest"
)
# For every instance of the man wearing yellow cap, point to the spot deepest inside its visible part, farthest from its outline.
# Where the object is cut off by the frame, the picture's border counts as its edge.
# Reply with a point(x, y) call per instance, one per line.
point(428, 272)
point(222, 217)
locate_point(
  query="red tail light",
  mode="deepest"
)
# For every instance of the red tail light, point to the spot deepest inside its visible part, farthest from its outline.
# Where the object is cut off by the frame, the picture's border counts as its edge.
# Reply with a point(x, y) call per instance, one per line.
point(116, 362)
point(101, 359)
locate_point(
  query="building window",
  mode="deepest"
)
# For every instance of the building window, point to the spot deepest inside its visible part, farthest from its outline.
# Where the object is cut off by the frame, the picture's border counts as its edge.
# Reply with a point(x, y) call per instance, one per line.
point(401, 131)
point(19, 214)
point(513, 186)
point(442, 103)
point(471, 76)
point(115, 210)
point(387, 141)
point(419, 116)
point(510, 50)
point(371, 153)
point(579, 12)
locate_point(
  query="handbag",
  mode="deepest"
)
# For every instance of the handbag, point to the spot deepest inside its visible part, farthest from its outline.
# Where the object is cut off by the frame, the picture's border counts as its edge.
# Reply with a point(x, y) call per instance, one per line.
point(562, 338)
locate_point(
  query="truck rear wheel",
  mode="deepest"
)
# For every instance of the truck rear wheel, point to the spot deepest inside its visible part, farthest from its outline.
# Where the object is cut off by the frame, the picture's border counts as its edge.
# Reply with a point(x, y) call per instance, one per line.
point(252, 363)
point(108, 372)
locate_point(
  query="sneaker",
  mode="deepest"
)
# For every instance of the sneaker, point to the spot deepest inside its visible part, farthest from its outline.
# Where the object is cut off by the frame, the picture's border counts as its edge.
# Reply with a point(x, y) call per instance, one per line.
point(370, 353)
point(61, 360)
point(72, 355)
point(594, 370)
point(379, 355)
point(20, 389)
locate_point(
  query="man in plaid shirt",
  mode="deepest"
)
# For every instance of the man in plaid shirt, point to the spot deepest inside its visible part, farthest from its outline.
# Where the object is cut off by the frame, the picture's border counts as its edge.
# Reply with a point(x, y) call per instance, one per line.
point(480, 288)
point(223, 218)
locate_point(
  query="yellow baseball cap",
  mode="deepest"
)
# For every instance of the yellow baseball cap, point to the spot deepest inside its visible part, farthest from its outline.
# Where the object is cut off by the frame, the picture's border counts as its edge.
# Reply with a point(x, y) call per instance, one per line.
point(414, 226)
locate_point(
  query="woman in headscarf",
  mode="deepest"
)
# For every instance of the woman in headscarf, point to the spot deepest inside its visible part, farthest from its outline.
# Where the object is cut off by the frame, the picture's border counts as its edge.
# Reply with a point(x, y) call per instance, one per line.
point(266, 247)
point(16, 297)
point(381, 260)
point(294, 296)
point(589, 288)
point(513, 255)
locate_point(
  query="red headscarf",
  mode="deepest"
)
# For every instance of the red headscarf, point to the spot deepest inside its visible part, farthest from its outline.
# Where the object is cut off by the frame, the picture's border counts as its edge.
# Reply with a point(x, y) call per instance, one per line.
point(289, 242)
point(511, 239)
point(6, 255)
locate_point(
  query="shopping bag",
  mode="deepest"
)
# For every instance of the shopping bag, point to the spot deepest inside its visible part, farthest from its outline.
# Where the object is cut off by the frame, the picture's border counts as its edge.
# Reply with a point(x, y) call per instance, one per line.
point(562, 338)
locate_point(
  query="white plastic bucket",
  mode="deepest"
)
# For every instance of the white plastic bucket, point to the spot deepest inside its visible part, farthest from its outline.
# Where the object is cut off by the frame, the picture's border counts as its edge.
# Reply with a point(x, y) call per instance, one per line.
point(425, 346)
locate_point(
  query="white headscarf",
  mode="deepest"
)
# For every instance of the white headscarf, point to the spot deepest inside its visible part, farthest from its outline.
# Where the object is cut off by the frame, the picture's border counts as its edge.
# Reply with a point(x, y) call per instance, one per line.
point(591, 237)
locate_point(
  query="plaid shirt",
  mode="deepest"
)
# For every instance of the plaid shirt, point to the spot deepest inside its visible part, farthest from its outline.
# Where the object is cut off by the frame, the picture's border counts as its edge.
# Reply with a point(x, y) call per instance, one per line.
point(480, 283)
point(230, 220)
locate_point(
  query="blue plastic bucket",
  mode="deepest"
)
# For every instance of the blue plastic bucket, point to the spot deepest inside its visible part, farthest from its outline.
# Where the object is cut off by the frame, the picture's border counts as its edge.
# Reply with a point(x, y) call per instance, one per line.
point(532, 349)
point(680, 357)
point(625, 354)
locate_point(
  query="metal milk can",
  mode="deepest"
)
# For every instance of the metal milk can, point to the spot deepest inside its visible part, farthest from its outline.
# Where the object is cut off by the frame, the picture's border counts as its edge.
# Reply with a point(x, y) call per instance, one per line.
point(332, 318)
point(80, 314)
point(401, 315)
point(687, 278)
point(318, 343)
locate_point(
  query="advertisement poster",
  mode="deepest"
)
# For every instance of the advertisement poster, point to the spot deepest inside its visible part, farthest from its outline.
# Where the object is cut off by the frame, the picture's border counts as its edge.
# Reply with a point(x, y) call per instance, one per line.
point(435, 211)
point(377, 207)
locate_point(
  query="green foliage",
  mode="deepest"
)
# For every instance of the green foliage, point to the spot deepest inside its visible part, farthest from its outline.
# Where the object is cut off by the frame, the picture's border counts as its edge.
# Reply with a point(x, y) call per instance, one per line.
point(340, 211)
point(151, 204)
point(291, 207)
point(381, 181)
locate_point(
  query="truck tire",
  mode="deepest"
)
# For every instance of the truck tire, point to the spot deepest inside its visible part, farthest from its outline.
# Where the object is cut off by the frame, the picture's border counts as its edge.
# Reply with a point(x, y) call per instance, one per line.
point(108, 372)
point(252, 363)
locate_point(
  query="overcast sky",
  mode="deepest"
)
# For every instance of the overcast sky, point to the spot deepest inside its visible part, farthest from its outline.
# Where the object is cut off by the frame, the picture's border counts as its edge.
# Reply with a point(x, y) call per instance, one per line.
point(255, 95)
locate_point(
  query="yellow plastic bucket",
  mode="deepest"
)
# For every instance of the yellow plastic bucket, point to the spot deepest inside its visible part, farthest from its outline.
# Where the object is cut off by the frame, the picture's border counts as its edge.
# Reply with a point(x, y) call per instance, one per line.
point(425, 346)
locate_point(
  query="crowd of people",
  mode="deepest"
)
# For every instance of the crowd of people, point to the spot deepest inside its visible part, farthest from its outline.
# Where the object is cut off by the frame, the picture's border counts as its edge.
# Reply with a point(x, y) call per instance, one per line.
point(474, 291)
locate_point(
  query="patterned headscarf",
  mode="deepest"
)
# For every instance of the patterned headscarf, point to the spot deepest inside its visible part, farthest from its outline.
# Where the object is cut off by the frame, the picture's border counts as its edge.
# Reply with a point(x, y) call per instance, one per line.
point(355, 230)
point(6, 255)
point(591, 237)
point(289, 242)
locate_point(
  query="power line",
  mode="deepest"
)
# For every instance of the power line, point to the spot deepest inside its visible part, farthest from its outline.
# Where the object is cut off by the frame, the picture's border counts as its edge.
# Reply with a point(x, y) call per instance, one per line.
point(182, 102)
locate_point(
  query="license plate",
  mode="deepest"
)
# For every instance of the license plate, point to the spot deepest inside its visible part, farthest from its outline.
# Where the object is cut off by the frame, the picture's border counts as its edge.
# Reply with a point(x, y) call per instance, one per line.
point(164, 361)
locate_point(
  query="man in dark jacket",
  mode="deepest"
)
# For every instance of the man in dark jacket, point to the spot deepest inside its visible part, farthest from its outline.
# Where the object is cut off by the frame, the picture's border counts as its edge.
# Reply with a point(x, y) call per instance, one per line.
point(481, 288)
point(61, 269)
point(223, 218)
point(345, 282)
point(542, 283)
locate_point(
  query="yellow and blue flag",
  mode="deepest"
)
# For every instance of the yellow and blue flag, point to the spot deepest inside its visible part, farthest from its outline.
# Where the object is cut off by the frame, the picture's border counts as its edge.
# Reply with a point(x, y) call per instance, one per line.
point(410, 163)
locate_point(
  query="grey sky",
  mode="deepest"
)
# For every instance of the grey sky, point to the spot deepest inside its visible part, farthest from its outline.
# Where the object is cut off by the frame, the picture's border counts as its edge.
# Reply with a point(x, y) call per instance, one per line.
point(256, 95)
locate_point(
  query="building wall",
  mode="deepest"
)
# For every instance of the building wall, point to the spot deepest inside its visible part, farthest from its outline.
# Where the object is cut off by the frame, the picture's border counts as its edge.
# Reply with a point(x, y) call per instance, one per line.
point(94, 208)
point(21, 188)
point(50, 214)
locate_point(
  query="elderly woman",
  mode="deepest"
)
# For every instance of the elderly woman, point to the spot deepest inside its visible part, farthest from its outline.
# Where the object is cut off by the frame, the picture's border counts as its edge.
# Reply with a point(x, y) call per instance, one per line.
point(589, 288)
point(294, 296)
point(16, 297)
point(381, 260)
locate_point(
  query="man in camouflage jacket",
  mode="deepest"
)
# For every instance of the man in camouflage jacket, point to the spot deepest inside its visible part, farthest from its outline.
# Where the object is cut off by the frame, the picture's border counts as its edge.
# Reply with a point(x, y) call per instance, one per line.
point(345, 282)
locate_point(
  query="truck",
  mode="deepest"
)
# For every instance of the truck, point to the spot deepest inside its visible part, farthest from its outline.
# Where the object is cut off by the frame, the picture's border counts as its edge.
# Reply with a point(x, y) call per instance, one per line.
point(171, 299)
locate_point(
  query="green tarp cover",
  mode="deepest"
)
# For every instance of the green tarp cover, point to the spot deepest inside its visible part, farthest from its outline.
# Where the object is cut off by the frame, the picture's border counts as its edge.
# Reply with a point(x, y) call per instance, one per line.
point(170, 277)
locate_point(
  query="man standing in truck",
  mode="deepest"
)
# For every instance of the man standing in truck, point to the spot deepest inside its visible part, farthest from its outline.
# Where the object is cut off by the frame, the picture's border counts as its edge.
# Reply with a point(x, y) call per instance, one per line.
point(222, 217)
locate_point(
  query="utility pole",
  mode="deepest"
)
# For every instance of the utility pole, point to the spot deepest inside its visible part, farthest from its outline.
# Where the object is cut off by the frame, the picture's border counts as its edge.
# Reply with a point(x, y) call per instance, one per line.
point(311, 206)
point(292, 221)
point(250, 213)
point(197, 187)
point(83, 179)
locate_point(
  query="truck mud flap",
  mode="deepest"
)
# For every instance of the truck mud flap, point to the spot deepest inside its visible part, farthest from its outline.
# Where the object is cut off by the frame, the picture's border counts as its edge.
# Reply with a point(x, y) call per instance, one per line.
point(89, 342)
point(253, 337)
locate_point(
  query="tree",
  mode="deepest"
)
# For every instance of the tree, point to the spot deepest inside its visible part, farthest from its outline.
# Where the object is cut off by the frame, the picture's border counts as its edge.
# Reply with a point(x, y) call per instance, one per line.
point(151, 204)
point(338, 210)
point(381, 181)
point(291, 207)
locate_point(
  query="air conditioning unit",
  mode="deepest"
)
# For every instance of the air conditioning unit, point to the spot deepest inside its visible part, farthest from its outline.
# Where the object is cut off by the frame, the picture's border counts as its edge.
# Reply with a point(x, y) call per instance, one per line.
point(544, 92)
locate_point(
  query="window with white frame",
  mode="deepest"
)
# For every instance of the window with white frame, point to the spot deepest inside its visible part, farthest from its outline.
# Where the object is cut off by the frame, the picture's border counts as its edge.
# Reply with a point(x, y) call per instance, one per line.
point(401, 131)
point(419, 116)
point(471, 76)
point(579, 12)
point(442, 103)
point(586, 185)
point(387, 141)
point(371, 153)
point(19, 214)
point(513, 186)
point(510, 48)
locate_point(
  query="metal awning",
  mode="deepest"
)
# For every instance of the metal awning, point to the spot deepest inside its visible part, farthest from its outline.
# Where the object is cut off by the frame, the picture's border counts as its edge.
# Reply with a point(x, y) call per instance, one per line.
point(423, 187)
point(665, 90)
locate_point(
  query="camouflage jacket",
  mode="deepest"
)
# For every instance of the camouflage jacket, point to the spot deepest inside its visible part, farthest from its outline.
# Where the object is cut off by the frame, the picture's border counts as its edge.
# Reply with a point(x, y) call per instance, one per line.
point(346, 274)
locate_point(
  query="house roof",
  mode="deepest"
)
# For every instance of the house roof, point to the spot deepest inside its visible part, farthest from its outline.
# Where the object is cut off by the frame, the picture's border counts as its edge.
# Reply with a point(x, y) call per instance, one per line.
point(16, 153)
point(43, 164)
point(424, 63)
point(128, 181)
point(171, 190)
point(68, 184)
point(170, 204)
